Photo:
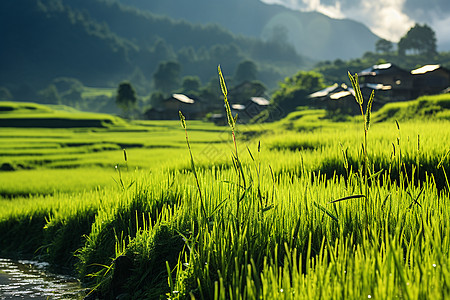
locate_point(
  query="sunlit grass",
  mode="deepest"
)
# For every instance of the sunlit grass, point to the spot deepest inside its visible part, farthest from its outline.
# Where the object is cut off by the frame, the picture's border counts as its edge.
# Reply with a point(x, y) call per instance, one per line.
point(279, 235)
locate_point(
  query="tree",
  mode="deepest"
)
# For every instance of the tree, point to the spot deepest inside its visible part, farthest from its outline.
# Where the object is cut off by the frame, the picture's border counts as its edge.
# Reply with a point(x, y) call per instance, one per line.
point(420, 39)
point(167, 76)
point(5, 94)
point(126, 98)
point(278, 34)
point(49, 95)
point(294, 90)
point(156, 99)
point(191, 84)
point(246, 71)
point(383, 46)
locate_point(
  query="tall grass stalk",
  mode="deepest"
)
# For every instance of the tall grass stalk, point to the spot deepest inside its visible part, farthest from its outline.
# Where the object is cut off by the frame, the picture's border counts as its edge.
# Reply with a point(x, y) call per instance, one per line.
point(202, 202)
point(241, 183)
point(366, 119)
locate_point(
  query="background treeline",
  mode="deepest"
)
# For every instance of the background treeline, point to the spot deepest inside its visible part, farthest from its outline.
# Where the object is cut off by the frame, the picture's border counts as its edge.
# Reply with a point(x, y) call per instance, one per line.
point(313, 34)
point(57, 51)
point(101, 43)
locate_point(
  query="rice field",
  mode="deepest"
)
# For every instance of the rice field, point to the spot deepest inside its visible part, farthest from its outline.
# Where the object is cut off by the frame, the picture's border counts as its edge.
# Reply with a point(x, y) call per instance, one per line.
point(284, 211)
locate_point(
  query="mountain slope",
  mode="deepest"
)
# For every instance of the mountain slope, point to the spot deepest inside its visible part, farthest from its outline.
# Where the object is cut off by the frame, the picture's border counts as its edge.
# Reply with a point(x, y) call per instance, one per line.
point(46, 41)
point(313, 34)
point(102, 42)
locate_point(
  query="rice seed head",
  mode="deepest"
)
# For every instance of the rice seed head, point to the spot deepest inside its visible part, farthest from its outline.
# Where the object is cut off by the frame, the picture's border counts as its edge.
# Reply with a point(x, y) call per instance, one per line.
point(231, 120)
point(222, 82)
point(182, 119)
point(369, 110)
point(356, 88)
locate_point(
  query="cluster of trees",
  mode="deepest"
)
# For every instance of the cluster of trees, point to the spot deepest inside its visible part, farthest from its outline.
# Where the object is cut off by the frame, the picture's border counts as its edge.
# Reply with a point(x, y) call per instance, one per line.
point(167, 80)
point(420, 39)
point(103, 42)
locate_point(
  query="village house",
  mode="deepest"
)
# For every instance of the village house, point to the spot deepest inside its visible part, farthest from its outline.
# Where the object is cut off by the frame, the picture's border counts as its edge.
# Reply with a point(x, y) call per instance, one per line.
point(429, 80)
point(389, 82)
point(338, 98)
point(169, 108)
point(247, 100)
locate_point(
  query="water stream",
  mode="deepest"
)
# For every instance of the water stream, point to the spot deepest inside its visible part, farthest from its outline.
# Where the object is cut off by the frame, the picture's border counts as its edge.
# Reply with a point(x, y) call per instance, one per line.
point(31, 280)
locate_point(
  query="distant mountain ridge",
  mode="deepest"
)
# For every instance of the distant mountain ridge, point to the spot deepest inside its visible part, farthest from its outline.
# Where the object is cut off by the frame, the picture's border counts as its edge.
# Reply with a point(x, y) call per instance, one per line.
point(102, 42)
point(313, 34)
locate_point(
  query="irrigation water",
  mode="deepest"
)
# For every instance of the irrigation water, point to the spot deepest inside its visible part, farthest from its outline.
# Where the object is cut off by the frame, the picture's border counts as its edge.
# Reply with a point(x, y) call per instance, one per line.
point(31, 280)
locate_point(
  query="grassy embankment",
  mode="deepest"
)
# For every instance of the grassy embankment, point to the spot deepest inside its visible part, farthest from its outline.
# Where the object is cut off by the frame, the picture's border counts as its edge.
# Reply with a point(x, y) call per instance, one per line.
point(268, 228)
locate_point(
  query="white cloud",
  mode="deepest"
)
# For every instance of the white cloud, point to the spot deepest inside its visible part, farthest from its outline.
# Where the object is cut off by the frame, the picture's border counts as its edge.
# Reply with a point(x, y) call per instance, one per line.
point(442, 28)
point(333, 11)
point(384, 17)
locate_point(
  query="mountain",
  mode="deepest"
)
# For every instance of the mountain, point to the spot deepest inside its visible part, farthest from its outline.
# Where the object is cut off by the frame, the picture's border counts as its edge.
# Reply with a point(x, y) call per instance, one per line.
point(43, 41)
point(102, 42)
point(313, 34)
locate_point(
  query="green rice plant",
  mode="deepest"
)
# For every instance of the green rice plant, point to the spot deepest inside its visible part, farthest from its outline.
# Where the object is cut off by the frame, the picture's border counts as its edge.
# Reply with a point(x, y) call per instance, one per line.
point(366, 120)
point(183, 124)
point(295, 235)
point(441, 165)
point(241, 182)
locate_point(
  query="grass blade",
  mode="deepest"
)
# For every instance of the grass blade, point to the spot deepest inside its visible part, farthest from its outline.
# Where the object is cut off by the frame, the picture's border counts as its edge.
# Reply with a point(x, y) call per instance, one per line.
point(348, 198)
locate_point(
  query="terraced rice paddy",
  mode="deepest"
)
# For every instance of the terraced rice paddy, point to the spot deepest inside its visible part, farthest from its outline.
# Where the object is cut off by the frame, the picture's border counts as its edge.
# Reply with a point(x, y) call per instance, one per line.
point(258, 219)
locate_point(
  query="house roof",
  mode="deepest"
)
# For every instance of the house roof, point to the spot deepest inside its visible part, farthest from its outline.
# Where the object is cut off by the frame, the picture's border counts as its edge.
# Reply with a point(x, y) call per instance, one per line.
point(425, 69)
point(382, 69)
point(376, 86)
point(238, 106)
point(334, 92)
point(260, 101)
point(183, 98)
point(324, 92)
point(339, 95)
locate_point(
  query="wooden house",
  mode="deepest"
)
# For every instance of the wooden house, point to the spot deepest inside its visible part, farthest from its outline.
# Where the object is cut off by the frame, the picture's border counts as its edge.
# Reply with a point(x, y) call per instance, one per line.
point(394, 82)
point(169, 108)
point(430, 79)
point(338, 98)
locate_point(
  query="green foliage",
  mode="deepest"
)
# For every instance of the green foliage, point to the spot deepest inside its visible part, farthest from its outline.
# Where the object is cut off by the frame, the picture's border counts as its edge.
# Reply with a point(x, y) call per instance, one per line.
point(5, 94)
point(423, 108)
point(312, 35)
point(126, 97)
point(246, 71)
point(27, 115)
point(286, 219)
point(294, 90)
point(49, 95)
point(383, 46)
point(420, 39)
point(191, 84)
point(141, 40)
point(167, 76)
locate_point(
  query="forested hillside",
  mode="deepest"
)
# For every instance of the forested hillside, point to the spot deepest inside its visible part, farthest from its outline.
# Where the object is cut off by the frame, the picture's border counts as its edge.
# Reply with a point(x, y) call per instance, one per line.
point(313, 34)
point(101, 43)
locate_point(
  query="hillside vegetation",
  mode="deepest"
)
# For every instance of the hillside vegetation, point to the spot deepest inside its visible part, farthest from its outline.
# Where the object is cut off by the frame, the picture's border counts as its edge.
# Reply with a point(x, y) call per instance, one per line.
point(102, 43)
point(313, 34)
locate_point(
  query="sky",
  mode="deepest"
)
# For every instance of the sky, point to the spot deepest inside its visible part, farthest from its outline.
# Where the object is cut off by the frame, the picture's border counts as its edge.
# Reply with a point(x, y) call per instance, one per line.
point(389, 19)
